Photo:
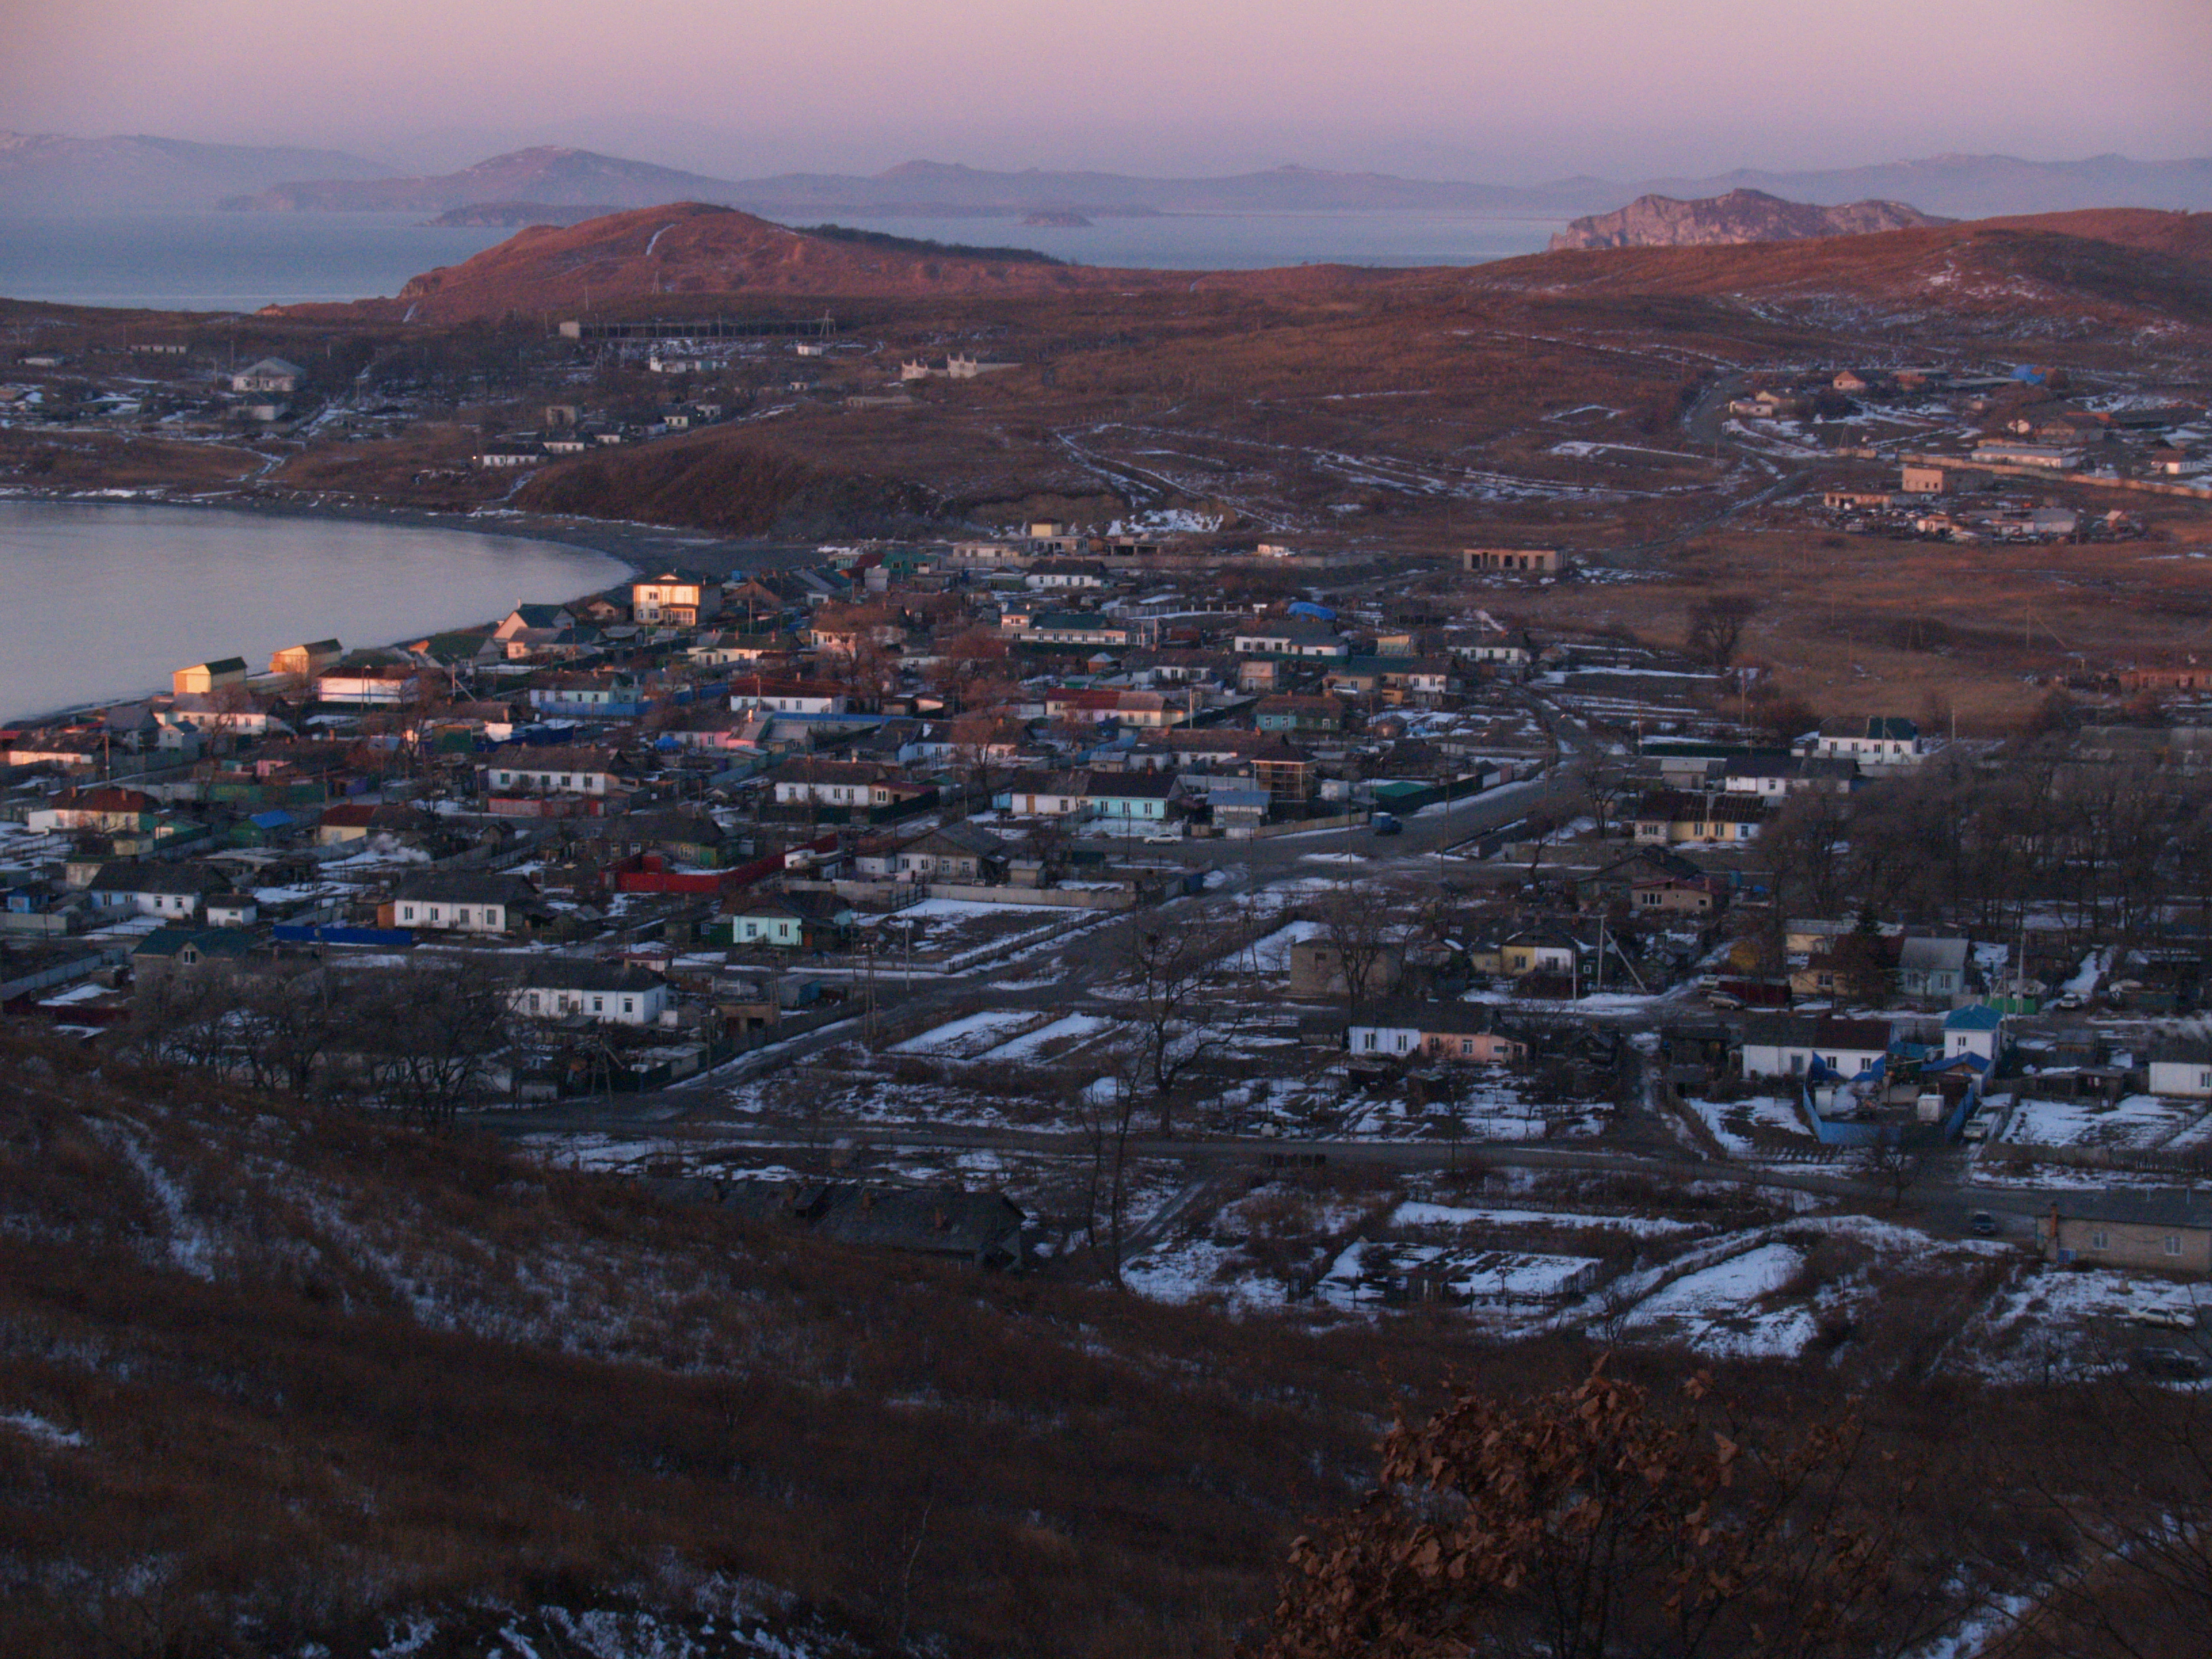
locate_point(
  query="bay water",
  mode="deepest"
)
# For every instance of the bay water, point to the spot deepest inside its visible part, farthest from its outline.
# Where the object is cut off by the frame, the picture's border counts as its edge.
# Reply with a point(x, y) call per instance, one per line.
point(104, 601)
point(234, 262)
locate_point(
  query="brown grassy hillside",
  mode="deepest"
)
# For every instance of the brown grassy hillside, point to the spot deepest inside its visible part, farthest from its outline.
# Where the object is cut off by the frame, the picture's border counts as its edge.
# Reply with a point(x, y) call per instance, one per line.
point(2035, 275)
point(688, 248)
point(264, 1368)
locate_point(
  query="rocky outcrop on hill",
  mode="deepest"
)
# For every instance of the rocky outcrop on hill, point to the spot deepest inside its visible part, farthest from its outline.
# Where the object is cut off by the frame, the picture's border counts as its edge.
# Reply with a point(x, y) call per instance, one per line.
point(1742, 215)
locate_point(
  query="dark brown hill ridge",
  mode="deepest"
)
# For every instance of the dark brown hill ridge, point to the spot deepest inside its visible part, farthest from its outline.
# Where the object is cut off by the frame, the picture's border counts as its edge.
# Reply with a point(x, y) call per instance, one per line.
point(2054, 273)
point(1742, 215)
point(660, 255)
point(2029, 275)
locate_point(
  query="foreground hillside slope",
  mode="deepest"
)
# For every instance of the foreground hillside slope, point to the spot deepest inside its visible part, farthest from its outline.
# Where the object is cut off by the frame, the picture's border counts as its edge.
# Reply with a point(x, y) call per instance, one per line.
point(301, 1375)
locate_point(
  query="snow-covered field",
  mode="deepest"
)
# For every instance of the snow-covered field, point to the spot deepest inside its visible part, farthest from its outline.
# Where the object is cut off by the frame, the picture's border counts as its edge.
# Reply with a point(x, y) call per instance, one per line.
point(1733, 1122)
point(2135, 1122)
point(969, 1037)
point(1717, 1310)
point(1418, 1214)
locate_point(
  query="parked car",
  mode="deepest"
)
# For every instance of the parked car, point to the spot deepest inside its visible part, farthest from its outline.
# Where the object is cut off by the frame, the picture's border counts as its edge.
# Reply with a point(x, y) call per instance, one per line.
point(1982, 1225)
point(2167, 1365)
point(1387, 823)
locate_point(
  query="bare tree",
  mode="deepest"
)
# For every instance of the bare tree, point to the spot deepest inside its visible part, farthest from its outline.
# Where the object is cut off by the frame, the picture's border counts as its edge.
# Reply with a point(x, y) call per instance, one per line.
point(1171, 961)
point(1717, 625)
point(1891, 1166)
point(1368, 929)
point(439, 1032)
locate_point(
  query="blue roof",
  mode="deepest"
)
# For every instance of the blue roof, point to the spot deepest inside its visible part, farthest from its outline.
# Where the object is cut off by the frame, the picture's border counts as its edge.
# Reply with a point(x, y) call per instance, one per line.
point(1979, 1017)
point(1308, 608)
point(1959, 1063)
point(272, 820)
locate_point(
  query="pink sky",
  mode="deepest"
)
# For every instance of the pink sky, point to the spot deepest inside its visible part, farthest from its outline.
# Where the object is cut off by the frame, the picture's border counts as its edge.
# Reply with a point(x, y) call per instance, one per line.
point(1507, 90)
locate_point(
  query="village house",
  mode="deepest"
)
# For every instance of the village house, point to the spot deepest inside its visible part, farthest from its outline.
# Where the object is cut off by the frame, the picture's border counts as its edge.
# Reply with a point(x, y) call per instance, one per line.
point(554, 771)
point(1670, 896)
point(205, 677)
point(1978, 1032)
point(1289, 636)
point(107, 809)
point(790, 696)
point(682, 598)
point(789, 922)
point(1055, 795)
point(172, 892)
point(2181, 1069)
point(370, 688)
point(461, 901)
point(1069, 628)
point(982, 1228)
point(1297, 714)
point(960, 852)
point(1510, 560)
point(270, 374)
point(1143, 796)
point(1773, 780)
point(354, 821)
point(613, 993)
point(2156, 1233)
point(232, 910)
point(1935, 478)
point(1876, 743)
point(1438, 1031)
point(306, 661)
point(1932, 969)
point(587, 694)
point(1065, 574)
point(1318, 969)
point(1670, 818)
point(1550, 950)
point(835, 783)
point(534, 619)
point(1787, 1045)
point(172, 949)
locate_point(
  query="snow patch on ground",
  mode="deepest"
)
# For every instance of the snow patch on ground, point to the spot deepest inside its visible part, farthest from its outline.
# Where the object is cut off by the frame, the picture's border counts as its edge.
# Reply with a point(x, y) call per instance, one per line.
point(1714, 1309)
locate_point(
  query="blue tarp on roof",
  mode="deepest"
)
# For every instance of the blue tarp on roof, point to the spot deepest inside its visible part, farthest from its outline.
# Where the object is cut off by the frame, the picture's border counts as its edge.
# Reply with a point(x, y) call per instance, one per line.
point(1308, 608)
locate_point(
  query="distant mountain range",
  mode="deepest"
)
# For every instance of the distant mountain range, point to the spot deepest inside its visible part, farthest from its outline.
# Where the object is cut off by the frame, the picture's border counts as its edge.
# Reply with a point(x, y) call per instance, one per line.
point(52, 172)
point(556, 177)
point(1742, 215)
point(46, 171)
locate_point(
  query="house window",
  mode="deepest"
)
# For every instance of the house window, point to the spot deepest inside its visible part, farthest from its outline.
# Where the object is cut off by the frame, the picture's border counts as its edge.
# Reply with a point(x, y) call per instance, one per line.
point(533, 1002)
point(2173, 1244)
point(2097, 1239)
point(1467, 1045)
point(1369, 1042)
point(1402, 1041)
point(407, 912)
point(630, 1004)
point(598, 1004)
